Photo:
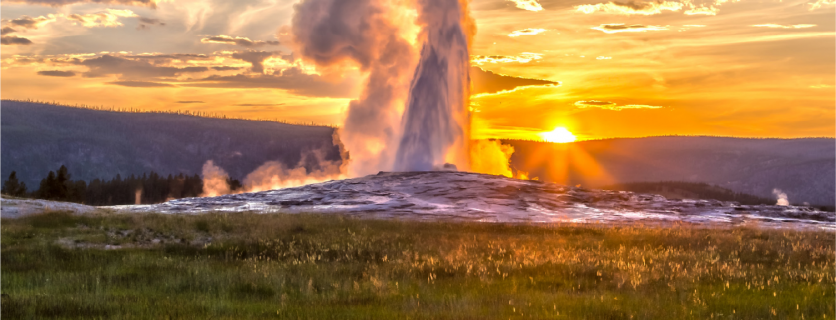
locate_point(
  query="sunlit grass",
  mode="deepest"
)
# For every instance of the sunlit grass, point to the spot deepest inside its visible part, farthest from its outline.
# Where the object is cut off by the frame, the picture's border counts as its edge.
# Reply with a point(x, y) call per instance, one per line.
point(330, 267)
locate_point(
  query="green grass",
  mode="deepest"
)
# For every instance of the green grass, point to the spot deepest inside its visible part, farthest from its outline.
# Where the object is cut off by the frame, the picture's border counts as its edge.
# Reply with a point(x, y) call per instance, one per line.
point(234, 266)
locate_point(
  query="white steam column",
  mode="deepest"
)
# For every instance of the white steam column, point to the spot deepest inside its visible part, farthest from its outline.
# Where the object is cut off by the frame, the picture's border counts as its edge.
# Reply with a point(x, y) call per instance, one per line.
point(436, 120)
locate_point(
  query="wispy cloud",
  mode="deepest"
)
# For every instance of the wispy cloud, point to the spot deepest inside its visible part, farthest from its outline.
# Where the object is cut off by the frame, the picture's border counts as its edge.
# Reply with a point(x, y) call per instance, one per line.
point(708, 11)
point(821, 4)
point(778, 26)
point(525, 57)
point(26, 22)
point(146, 23)
point(108, 65)
point(14, 40)
point(611, 105)
point(631, 8)
point(526, 32)
point(620, 27)
point(56, 73)
point(7, 30)
point(487, 82)
point(140, 84)
point(530, 5)
point(102, 19)
point(239, 41)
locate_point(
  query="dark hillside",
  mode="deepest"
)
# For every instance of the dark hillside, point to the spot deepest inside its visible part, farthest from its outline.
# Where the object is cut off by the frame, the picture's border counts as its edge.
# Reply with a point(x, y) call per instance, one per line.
point(37, 138)
point(803, 168)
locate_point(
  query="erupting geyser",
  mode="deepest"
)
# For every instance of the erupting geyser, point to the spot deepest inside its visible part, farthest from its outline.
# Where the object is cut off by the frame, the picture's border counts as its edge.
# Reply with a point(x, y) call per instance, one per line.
point(412, 114)
point(436, 119)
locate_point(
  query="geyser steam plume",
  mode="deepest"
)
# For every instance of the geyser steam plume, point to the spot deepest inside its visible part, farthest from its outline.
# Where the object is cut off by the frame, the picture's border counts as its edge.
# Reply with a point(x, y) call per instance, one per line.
point(381, 37)
point(436, 120)
point(373, 35)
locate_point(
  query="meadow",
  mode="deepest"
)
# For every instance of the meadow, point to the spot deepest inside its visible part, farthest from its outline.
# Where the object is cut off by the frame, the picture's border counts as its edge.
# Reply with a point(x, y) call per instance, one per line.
point(278, 266)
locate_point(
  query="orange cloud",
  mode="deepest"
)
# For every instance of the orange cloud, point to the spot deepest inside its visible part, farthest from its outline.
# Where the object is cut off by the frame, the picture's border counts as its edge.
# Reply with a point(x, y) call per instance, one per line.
point(631, 8)
point(611, 105)
point(102, 19)
point(525, 57)
point(778, 26)
point(620, 27)
point(530, 5)
point(526, 32)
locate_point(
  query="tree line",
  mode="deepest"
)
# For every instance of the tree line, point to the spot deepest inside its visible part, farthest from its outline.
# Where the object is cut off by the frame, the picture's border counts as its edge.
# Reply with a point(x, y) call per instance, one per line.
point(146, 189)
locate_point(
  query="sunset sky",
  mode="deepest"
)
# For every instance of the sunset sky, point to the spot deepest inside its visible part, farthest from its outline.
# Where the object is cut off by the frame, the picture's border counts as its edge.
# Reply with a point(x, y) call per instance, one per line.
point(749, 68)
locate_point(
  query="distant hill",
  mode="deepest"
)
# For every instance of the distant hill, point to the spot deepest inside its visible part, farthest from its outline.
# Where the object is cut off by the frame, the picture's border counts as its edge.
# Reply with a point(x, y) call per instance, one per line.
point(805, 169)
point(690, 190)
point(37, 138)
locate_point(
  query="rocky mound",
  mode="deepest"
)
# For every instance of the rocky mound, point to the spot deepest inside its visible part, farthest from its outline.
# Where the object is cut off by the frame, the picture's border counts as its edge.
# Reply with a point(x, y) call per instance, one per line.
point(478, 197)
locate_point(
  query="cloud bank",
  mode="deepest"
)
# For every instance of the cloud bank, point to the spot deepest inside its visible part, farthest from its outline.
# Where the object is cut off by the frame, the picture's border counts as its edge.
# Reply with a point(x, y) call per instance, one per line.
point(611, 105)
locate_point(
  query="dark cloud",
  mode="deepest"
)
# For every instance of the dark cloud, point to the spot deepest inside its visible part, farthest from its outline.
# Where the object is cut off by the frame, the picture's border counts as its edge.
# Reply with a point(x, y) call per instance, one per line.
point(24, 60)
point(292, 79)
point(146, 23)
point(190, 101)
point(27, 22)
point(489, 82)
point(239, 41)
point(140, 84)
point(620, 27)
point(256, 58)
point(14, 40)
point(59, 3)
point(7, 30)
point(135, 69)
point(151, 21)
point(56, 73)
point(596, 103)
point(225, 68)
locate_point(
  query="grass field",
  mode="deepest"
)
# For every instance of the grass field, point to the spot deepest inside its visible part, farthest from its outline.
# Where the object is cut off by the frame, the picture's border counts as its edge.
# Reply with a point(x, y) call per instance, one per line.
point(236, 266)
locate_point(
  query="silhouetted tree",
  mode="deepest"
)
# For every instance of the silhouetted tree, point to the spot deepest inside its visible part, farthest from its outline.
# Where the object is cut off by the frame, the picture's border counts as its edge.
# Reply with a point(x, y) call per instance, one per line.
point(46, 190)
point(61, 191)
point(13, 187)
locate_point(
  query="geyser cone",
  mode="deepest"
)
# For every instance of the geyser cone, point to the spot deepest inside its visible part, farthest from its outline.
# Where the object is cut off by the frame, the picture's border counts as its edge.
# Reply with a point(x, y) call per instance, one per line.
point(436, 120)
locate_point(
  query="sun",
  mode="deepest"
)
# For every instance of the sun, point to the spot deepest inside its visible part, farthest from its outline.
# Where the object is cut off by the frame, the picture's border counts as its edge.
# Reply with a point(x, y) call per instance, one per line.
point(558, 135)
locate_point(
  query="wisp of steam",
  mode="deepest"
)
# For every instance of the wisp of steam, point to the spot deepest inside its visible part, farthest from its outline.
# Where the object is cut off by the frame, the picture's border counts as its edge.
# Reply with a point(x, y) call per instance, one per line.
point(783, 200)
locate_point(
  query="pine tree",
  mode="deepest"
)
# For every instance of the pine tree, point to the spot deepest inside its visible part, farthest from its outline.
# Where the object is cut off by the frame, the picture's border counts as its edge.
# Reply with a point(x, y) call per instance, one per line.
point(61, 190)
point(47, 187)
point(13, 187)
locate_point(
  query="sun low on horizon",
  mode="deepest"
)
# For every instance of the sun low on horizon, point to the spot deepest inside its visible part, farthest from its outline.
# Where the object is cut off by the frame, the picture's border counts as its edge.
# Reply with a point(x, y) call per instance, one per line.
point(558, 135)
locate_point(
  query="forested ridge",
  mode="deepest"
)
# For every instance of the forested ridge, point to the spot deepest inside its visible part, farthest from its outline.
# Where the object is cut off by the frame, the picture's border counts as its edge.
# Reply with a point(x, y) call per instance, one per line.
point(101, 144)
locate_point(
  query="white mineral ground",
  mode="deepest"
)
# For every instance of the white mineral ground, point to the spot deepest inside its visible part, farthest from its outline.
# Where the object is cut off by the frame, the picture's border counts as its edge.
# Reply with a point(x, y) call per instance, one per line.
point(16, 208)
point(460, 196)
